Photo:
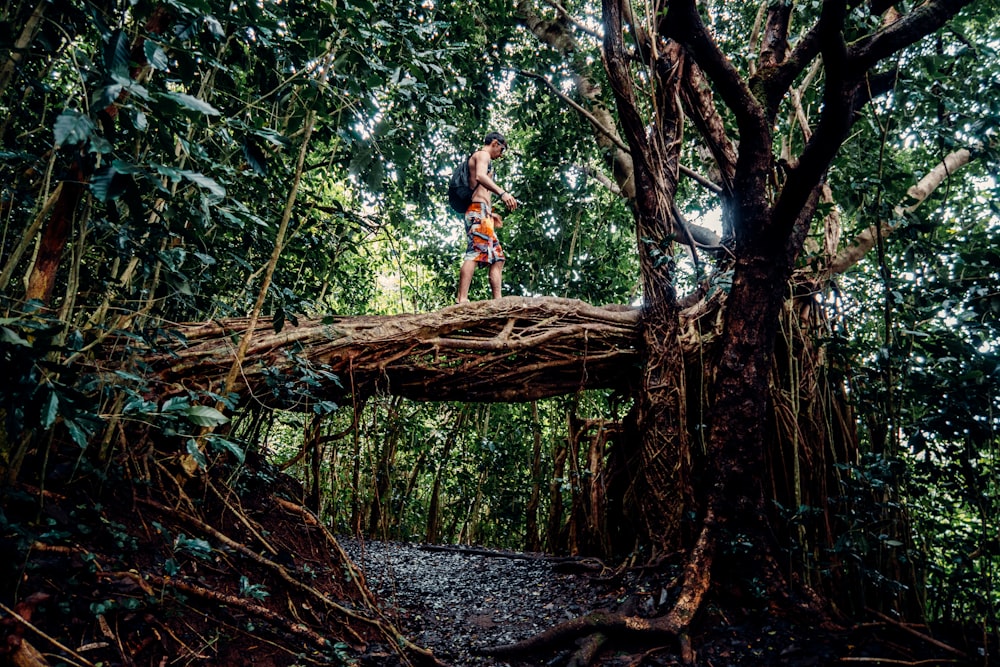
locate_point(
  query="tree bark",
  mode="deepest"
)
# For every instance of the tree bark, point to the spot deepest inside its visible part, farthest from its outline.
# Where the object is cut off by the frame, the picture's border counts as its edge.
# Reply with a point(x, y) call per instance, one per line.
point(532, 348)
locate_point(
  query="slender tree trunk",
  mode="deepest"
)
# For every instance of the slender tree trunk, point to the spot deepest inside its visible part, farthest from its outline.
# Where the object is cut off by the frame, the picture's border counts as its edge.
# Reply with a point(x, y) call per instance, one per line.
point(406, 494)
point(55, 235)
point(272, 264)
point(434, 507)
point(470, 529)
point(314, 443)
point(553, 538)
point(377, 522)
point(356, 480)
point(577, 526)
point(532, 540)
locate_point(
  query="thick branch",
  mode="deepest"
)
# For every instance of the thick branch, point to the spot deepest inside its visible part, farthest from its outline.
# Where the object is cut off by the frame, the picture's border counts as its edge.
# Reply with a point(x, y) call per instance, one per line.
point(683, 24)
point(775, 43)
point(896, 36)
point(510, 349)
point(917, 194)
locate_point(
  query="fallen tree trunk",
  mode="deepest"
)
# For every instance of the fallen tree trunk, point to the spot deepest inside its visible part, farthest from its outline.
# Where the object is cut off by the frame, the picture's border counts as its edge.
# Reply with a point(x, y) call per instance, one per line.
point(507, 350)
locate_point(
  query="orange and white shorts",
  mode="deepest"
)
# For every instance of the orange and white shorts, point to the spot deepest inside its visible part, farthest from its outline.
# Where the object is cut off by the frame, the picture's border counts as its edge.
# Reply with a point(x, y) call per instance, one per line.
point(483, 245)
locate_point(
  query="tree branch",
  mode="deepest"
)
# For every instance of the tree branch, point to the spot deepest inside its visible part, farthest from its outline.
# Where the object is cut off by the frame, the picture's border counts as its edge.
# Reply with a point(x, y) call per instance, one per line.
point(925, 19)
point(917, 194)
point(593, 120)
point(683, 24)
point(481, 351)
point(834, 123)
point(565, 15)
point(775, 44)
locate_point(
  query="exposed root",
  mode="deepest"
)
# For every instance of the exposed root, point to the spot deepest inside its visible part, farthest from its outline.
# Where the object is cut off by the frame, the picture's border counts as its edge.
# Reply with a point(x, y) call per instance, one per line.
point(299, 629)
point(930, 640)
point(356, 575)
point(610, 625)
point(598, 628)
point(588, 650)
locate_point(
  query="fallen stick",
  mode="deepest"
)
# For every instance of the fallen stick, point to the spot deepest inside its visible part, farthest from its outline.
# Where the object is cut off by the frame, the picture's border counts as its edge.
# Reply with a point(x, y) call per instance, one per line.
point(26, 623)
point(930, 640)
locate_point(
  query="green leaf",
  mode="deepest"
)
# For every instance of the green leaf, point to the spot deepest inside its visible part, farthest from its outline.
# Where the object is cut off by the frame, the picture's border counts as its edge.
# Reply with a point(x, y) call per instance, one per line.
point(116, 54)
point(72, 127)
point(193, 103)
point(108, 185)
point(155, 55)
point(9, 336)
point(204, 415)
point(214, 27)
point(194, 546)
point(205, 182)
point(255, 157)
point(50, 410)
point(177, 404)
point(229, 446)
point(77, 433)
point(195, 453)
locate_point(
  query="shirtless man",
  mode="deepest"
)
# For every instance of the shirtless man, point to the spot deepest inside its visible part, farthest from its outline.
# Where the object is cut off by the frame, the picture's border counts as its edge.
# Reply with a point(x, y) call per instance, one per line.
point(483, 247)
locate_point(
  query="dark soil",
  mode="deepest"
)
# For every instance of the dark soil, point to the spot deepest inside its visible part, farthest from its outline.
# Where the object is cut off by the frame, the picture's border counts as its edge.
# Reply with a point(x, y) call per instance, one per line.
point(123, 575)
point(460, 602)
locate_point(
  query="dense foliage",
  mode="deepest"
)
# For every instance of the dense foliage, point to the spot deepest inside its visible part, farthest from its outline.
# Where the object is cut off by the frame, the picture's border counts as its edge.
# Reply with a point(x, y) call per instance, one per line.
point(206, 160)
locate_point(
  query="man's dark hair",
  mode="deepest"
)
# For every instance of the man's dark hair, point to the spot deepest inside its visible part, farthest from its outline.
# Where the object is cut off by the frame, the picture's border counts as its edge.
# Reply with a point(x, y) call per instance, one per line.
point(494, 136)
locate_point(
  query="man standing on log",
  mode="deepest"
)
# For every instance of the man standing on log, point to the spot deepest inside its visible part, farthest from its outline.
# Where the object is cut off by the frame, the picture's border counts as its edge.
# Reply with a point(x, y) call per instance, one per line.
point(483, 247)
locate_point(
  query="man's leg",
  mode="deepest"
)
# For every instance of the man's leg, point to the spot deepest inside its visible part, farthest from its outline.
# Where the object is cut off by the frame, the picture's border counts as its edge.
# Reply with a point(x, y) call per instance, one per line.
point(465, 279)
point(496, 279)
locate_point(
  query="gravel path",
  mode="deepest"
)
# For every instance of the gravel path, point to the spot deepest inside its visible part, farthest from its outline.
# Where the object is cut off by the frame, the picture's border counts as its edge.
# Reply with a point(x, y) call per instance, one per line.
point(455, 601)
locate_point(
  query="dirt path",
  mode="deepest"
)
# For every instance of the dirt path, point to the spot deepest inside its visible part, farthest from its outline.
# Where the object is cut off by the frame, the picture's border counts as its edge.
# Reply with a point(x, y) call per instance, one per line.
point(456, 601)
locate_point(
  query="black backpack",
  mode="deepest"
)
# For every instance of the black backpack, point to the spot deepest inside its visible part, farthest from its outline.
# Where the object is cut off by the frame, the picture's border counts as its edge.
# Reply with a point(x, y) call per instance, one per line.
point(459, 192)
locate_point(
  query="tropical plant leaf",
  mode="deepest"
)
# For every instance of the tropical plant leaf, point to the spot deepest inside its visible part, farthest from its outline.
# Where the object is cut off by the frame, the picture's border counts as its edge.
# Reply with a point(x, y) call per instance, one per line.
point(204, 181)
point(155, 55)
point(116, 55)
point(72, 127)
point(193, 103)
point(229, 446)
point(204, 415)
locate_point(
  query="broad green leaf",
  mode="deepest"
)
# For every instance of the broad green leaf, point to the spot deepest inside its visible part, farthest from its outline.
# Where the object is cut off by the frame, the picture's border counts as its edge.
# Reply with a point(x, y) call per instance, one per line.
point(204, 415)
point(72, 127)
point(50, 410)
point(205, 182)
point(116, 55)
point(131, 87)
point(196, 454)
point(108, 185)
point(230, 446)
point(176, 404)
point(77, 433)
point(214, 27)
point(155, 55)
point(255, 156)
point(9, 336)
point(193, 103)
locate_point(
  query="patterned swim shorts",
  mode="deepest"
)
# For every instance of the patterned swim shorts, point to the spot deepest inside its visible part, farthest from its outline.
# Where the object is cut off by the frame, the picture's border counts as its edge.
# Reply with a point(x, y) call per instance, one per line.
point(483, 245)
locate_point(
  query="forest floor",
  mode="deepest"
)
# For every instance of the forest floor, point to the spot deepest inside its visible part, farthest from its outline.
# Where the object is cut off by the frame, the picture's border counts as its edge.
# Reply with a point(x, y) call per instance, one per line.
point(459, 602)
point(131, 577)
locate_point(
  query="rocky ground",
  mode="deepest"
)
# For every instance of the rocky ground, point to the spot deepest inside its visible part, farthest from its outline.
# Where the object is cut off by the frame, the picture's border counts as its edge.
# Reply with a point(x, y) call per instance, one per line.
point(459, 602)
